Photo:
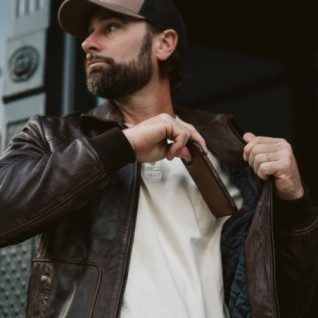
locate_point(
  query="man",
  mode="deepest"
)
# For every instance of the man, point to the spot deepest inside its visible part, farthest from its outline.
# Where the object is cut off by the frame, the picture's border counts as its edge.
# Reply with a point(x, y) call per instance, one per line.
point(124, 230)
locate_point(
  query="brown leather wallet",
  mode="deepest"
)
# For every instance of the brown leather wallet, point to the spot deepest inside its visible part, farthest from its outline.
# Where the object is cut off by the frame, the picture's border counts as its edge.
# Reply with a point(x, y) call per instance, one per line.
point(209, 182)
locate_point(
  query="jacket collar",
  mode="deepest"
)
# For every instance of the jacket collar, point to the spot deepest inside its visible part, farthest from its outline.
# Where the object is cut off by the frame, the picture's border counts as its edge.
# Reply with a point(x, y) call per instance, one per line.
point(221, 132)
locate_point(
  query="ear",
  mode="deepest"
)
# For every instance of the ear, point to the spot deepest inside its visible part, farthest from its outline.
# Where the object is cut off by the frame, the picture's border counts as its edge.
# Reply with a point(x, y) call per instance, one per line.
point(167, 43)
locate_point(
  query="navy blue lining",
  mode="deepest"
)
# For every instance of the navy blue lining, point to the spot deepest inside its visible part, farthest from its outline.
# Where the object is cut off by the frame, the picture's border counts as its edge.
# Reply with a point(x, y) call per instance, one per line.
point(232, 247)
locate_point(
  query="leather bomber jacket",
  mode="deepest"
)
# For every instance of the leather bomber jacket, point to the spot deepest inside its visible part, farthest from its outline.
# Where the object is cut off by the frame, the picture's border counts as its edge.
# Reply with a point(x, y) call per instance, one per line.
point(56, 180)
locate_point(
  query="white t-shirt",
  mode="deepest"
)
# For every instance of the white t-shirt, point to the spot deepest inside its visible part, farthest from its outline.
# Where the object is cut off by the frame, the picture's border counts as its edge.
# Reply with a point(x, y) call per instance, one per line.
point(175, 269)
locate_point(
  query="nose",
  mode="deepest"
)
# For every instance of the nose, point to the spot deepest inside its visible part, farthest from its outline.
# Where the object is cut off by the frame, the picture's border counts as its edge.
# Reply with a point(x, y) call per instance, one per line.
point(90, 44)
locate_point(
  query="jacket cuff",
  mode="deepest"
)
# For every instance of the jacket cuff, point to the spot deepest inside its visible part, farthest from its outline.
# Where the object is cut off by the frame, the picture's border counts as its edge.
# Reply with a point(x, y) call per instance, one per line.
point(295, 214)
point(114, 149)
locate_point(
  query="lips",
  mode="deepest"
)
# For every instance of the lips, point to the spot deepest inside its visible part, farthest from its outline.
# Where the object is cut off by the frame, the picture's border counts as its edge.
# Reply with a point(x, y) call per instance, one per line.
point(93, 62)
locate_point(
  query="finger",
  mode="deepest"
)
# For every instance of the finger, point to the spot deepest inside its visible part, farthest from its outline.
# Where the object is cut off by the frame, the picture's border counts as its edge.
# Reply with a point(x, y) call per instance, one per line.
point(175, 148)
point(277, 168)
point(274, 150)
point(264, 170)
point(259, 159)
point(185, 154)
point(181, 135)
point(259, 153)
point(263, 144)
point(248, 136)
point(195, 135)
point(279, 163)
point(257, 163)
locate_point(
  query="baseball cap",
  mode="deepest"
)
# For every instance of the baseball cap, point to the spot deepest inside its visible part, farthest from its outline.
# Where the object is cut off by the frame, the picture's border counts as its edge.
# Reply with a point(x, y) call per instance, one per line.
point(74, 15)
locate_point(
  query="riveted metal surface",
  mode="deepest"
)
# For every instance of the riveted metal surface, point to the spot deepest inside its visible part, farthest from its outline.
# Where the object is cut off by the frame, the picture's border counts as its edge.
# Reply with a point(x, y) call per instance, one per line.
point(15, 265)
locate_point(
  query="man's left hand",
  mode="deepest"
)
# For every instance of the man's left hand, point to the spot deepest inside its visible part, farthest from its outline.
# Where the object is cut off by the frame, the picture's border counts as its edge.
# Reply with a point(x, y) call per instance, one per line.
point(274, 157)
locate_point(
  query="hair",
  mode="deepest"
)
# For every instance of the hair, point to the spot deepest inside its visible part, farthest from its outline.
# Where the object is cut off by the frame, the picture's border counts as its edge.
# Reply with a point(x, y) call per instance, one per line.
point(172, 67)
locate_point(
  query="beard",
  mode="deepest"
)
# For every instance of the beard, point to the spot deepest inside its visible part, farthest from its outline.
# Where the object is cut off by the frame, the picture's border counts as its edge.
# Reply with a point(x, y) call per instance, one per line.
point(116, 80)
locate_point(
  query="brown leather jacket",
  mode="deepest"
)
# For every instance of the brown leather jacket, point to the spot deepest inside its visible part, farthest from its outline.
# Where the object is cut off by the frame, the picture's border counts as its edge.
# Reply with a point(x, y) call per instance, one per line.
point(74, 181)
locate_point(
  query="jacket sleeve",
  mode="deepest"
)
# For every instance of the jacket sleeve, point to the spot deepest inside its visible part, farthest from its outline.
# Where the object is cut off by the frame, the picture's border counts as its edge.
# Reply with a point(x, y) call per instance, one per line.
point(43, 178)
point(296, 234)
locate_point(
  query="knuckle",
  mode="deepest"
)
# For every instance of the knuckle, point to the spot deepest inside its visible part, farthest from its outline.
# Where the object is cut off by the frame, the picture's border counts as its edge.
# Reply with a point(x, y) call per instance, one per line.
point(164, 116)
point(258, 157)
point(283, 143)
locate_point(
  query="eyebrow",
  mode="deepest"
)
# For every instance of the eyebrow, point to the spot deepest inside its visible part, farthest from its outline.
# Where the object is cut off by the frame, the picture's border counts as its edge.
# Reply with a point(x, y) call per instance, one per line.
point(103, 15)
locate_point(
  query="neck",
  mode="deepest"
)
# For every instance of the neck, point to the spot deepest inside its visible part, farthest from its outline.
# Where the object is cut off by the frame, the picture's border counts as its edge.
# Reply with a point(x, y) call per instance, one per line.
point(152, 100)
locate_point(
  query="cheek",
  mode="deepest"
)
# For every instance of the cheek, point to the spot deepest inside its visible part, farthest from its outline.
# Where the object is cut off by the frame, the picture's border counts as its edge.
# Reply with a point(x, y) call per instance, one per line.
point(126, 52)
point(129, 47)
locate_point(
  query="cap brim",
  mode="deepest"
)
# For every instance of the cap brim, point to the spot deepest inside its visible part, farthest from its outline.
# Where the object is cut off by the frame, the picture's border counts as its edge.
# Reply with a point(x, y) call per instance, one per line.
point(74, 15)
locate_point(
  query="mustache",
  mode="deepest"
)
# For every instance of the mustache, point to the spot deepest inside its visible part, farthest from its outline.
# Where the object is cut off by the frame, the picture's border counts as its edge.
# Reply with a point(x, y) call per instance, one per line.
point(98, 58)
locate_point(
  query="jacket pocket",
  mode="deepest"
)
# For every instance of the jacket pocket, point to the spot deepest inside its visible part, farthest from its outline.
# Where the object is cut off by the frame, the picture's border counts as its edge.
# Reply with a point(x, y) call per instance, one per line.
point(60, 288)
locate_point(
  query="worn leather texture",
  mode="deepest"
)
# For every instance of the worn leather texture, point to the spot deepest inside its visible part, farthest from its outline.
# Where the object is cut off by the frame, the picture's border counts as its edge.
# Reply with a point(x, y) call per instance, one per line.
point(86, 219)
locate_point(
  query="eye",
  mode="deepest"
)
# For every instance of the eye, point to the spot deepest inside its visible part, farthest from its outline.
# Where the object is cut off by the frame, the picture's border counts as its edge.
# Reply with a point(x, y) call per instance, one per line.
point(105, 25)
point(111, 27)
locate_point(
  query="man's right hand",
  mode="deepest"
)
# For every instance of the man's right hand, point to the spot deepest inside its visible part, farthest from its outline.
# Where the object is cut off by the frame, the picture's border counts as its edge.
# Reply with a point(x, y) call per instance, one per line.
point(162, 136)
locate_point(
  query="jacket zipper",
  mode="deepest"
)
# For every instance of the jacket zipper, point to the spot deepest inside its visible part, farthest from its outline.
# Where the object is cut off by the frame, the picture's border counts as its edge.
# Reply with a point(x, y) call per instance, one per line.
point(131, 239)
